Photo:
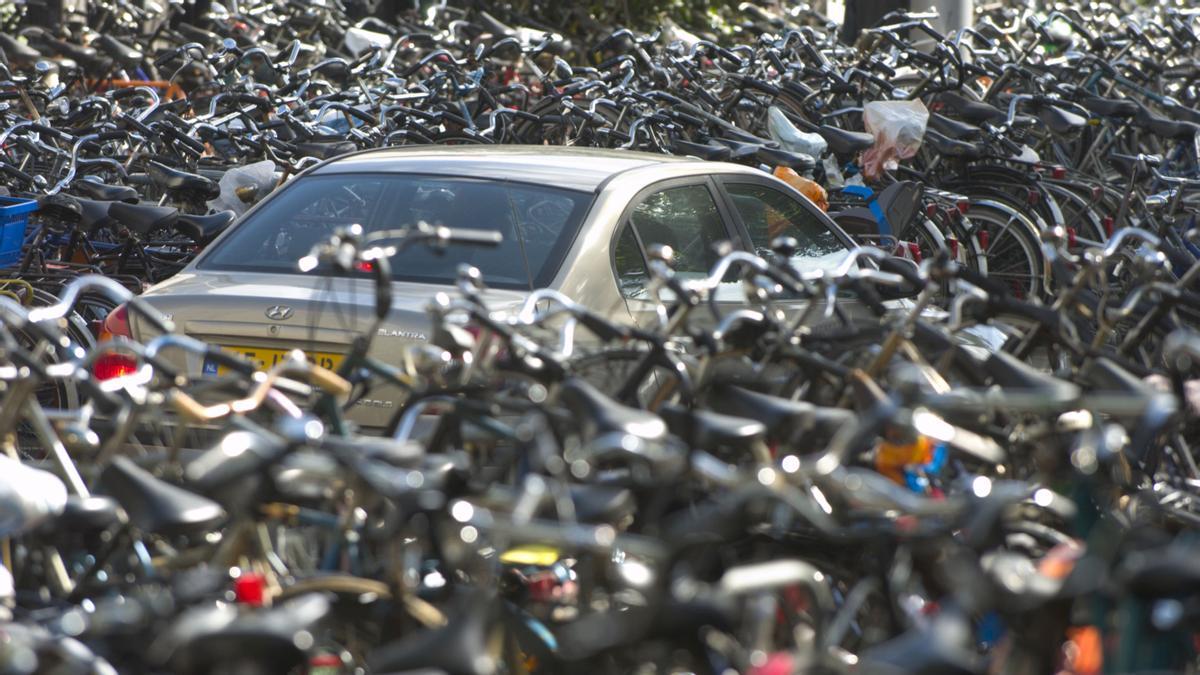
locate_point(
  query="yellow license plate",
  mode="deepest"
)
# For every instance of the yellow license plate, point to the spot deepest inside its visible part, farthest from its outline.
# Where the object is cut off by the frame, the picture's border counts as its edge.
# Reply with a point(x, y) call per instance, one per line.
point(267, 358)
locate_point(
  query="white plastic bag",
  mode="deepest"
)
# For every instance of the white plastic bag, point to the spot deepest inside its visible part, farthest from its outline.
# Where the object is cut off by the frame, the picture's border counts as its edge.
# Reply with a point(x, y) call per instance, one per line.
point(898, 128)
point(358, 40)
point(790, 138)
point(28, 496)
point(258, 179)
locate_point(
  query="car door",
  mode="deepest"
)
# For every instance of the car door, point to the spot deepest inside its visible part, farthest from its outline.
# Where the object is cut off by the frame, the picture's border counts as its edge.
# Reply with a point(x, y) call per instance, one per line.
point(686, 214)
point(764, 209)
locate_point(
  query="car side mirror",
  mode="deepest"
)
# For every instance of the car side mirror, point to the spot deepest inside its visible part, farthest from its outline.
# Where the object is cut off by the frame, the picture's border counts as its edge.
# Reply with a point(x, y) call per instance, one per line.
point(906, 269)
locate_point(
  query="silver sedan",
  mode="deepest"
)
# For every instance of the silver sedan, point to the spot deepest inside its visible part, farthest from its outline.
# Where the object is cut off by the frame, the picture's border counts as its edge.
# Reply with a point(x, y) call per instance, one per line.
point(577, 221)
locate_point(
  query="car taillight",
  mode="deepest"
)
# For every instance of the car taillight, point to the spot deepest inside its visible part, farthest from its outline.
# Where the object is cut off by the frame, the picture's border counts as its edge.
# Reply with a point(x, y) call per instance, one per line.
point(109, 366)
point(116, 324)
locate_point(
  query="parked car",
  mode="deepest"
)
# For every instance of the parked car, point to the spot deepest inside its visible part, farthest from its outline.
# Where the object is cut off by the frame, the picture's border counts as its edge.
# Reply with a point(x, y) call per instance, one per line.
point(575, 220)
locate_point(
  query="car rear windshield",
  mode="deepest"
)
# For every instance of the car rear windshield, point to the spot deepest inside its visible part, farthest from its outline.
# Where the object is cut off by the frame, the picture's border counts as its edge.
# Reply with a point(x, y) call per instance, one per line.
point(538, 224)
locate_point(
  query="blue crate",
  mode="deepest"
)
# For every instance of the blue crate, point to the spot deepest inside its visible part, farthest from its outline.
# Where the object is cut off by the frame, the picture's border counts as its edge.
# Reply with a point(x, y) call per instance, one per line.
point(14, 217)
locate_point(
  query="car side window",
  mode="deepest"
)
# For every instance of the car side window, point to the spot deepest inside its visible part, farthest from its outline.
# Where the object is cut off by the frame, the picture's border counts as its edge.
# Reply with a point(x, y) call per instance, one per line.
point(686, 219)
point(769, 213)
point(632, 276)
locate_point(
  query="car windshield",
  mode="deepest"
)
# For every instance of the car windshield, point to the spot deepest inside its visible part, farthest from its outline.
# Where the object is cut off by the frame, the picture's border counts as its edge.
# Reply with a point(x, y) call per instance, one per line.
point(538, 224)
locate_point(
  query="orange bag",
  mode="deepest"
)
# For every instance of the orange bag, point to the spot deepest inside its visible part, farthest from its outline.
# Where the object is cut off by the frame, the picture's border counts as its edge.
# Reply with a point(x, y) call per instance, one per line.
point(815, 193)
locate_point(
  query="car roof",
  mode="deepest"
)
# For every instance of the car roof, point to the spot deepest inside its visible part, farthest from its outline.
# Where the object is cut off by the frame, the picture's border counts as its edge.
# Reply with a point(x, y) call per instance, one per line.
point(564, 167)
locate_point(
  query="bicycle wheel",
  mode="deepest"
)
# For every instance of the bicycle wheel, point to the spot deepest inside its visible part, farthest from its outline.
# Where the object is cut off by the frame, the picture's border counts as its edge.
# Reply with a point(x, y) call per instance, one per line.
point(1013, 250)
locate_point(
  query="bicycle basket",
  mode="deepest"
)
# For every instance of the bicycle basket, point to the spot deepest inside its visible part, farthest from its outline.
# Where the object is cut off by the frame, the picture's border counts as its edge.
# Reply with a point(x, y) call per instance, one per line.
point(14, 217)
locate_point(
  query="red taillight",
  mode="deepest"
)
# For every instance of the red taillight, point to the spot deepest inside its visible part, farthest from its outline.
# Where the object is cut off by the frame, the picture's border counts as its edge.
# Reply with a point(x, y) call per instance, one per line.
point(931, 210)
point(914, 250)
point(365, 266)
point(984, 238)
point(1071, 237)
point(963, 206)
point(1108, 225)
point(109, 366)
point(250, 588)
point(1033, 197)
point(112, 366)
point(1059, 172)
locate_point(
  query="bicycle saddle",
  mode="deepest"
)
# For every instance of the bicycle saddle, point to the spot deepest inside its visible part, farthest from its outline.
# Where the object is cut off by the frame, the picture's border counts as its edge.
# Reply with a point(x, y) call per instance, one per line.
point(204, 229)
point(1060, 121)
point(156, 506)
point(975, 112)
point(779, 157)
point(705, 151)
point(950, 128)
point(740, 151)
point(1171, 571)
point(784, 419)
point(459, 647)
point(843, 142)
point(218, 638)
point(118, 50)
point(142, 219)
point(1161, 126)
point(949, 147)
point(325, 150)
point(88, 514)
point(175, 180)
point(1008, 372)
point(1109, 107)
point(94, 189)
point(92, 213)
point(943, 648)
point(18, 53)
point(1127, 163)
point(598, 414)
point(707, 430)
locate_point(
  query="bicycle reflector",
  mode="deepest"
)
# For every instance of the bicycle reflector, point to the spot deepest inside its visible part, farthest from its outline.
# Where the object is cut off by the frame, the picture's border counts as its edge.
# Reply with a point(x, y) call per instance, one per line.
point(113, 365)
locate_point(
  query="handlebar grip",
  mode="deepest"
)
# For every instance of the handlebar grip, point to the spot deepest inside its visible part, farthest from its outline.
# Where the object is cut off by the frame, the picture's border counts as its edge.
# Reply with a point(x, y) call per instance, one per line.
point(51, 131)
point(166, 57)
point(329, 381)
point(188, 142)
point(124, 92)
point(187, 406)
point(366, 117)
point(474, 237)
point(16, 173)
point(256, 101)
point(129, 120)
point(1010, 145)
